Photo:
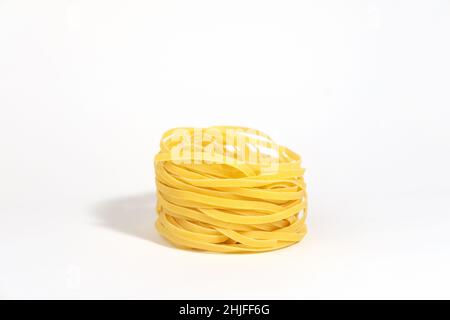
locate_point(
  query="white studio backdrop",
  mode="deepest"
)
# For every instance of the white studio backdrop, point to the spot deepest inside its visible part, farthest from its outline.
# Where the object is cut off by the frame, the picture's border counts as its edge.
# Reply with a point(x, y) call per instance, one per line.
point(359, 88)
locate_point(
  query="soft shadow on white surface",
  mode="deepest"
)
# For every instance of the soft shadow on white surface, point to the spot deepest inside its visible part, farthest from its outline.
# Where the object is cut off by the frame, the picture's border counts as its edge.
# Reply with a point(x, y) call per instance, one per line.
point(133, 215)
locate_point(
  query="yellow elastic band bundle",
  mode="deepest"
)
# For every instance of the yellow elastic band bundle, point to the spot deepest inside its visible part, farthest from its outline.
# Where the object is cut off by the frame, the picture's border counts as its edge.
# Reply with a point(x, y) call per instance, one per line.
point(229, 189)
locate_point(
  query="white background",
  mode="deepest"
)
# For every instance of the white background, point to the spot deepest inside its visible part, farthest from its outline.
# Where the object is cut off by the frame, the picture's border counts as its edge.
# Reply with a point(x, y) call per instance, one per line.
point(361, 89)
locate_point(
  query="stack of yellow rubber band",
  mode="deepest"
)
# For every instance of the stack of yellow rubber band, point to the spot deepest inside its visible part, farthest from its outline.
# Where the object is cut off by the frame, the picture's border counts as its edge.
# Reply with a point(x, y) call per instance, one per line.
point(229, 189)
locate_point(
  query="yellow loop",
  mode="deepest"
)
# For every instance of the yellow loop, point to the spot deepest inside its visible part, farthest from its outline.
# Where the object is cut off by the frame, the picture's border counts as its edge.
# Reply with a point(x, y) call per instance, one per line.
point(229, 189)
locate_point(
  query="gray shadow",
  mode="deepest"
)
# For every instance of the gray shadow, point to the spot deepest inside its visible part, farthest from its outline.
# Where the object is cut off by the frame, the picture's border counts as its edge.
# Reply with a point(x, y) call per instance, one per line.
point(132, 215)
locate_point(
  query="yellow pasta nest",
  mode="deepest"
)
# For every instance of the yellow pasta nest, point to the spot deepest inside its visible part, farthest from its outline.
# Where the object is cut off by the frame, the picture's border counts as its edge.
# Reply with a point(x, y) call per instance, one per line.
point(229, 189)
